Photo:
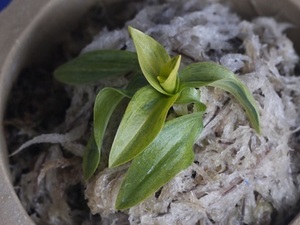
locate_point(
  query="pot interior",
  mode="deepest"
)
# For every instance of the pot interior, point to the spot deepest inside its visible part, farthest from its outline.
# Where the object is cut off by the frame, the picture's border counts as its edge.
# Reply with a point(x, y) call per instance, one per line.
point(47, 32)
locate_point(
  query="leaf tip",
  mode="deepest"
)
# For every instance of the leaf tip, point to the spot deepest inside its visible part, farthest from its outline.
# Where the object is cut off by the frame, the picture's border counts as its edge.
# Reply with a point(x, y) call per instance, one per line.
point(125, 200)
point(121, 205)
point(86, 175)
point(131, 30)
point(91, 159)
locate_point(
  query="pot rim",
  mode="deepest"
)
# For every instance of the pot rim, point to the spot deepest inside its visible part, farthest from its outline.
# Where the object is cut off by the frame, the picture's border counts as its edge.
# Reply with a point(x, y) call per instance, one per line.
point(21, 34)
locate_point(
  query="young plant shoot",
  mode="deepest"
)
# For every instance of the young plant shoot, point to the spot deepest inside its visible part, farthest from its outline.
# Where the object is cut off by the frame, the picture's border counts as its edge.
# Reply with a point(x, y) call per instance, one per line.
point(157, 149)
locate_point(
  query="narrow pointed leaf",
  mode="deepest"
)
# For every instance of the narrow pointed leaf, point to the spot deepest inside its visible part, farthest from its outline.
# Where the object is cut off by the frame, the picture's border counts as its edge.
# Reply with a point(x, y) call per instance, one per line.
point(94, 66)
point(169, 76)
point(151, 56)
point(106, 102)
point(244, 97)
point(170, 153)
point(203, 73)
point(212, 74)
point(91, 158)
point(142, 121)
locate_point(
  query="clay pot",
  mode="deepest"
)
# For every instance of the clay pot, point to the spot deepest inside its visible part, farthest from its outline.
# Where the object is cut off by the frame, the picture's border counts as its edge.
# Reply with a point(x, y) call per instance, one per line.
point(28, 26)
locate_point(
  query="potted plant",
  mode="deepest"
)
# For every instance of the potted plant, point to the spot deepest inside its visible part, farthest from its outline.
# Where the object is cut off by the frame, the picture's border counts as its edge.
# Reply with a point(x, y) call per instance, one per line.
point(5, 95)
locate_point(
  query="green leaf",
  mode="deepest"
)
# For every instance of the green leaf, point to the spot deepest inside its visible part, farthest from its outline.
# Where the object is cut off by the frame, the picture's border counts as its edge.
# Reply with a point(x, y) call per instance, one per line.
point(203, 73)
point(168, 76)
point(170, 153)
point(152, 57)
point(142, 121)
point(191, 95)
point(212, 74)
point(91, 158)
point(94, 66)
point(106, 102)
point(244, 97)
